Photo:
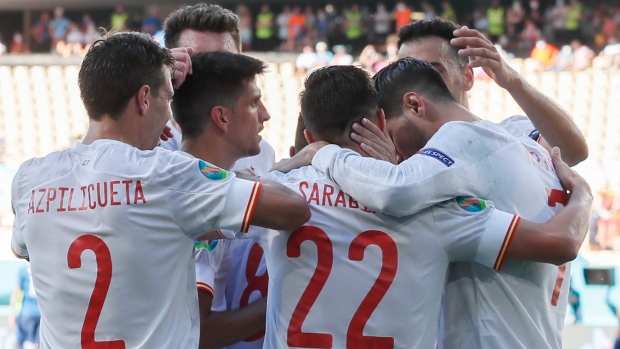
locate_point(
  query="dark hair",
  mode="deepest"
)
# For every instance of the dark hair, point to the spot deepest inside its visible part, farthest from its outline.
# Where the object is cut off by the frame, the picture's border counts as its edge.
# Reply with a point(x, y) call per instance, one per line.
point(408, 75)
point(115, 68)
point(334, 98)
point(436, 26)
point(203, 18)
point(217, 79)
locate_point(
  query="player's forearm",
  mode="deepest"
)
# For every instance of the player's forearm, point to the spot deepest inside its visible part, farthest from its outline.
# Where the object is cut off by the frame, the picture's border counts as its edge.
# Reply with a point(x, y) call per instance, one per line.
point(553, 122)
point(280, 208)
point(225, 328)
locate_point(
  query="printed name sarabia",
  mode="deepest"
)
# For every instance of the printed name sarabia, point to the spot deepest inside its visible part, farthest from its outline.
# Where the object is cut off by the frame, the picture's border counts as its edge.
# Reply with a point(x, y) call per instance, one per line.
point(326, 195)
point(87, 197)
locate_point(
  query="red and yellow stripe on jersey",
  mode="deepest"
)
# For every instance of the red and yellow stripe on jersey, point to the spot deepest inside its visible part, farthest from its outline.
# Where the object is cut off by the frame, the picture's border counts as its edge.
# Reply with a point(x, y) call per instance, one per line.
point(204, 287)
point(249, 211)
point(506, 244)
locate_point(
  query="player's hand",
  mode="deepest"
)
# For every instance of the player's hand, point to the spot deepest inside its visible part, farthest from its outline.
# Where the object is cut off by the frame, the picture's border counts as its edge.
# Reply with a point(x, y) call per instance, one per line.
point(571, 180)
point(182, 65)
point(166, 134)
point(375, 142)
point(247, 173)
point(302, 158)
point(483, 54)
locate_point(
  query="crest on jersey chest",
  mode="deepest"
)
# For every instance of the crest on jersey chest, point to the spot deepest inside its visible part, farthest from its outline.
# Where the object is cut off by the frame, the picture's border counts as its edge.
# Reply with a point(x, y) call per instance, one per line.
point(208, 245)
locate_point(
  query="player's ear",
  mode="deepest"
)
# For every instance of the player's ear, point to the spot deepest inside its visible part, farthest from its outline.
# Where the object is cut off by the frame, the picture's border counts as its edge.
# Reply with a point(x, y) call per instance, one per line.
point(468, 77)
point(141, 99)
point(309, 136)
point(381, 119)
point(412, 101)
point(220, 118)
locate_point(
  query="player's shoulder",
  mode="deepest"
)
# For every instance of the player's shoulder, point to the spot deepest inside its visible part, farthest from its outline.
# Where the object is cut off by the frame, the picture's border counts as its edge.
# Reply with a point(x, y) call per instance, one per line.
point(37, 171)
point(297, 175)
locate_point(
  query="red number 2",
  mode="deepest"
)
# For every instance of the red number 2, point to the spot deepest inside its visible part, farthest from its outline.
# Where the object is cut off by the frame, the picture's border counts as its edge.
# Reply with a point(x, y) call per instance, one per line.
point(555, 197)
point(325, 256)
point(100, 291)
point(255, 283)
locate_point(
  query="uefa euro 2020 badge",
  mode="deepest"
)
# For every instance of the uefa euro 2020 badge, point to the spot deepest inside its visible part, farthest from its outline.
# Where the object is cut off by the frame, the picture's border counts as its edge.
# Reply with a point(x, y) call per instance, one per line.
point(208, 245)
point(471, 205)
point(211, 172)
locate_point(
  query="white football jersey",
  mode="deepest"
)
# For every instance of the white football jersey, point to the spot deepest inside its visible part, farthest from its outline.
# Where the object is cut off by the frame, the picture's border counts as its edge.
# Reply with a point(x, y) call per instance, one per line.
point(110, 233)
point(340, 280)
point(173, 143)
point(525, 304)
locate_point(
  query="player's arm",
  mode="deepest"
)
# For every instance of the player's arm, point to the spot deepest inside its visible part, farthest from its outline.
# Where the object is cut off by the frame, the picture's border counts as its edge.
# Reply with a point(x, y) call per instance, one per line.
point(553, 122)
point(557, 241)
point(221, 328)
point(278, 207)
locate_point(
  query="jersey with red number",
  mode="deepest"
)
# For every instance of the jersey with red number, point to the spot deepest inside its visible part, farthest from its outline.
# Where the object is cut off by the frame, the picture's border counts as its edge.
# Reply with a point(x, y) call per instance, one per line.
point(524, 305)
point(244, 265)
point(109, 230)
point(340, 280)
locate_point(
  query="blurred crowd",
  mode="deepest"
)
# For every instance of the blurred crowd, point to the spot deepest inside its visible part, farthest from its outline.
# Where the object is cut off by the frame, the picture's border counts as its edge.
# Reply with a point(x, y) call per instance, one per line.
point(564, 35)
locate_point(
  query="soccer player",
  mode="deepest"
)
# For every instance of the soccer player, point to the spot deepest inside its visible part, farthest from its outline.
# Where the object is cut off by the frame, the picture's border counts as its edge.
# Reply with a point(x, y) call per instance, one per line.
point(109, 225)
point(336, 281)
point(206, 28)
point(449, 48)
point(220, 112)
point(449, 152)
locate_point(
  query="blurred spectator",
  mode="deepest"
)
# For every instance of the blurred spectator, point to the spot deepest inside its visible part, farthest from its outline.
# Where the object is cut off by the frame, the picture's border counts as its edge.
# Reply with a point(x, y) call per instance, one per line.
point(481, 22)
point(245, 27)
point(515, 16)
point(353, 27)
point(448, 12)
point(73, 43)
point(583, 55)
point(369, 57)
point(151, 23)
point(402, 15)
point(529, 35)
point(28, 317)
point(573, 20)
point(382, 23)
point(282, 22)
point(341, 56)
point(558, 20)
point(59, 26)
point(306, 61)
point(428, 9)
point(610, 55)
point(310, 19)
point(91, 33)
point(535, 14)
point(119, 20)
point(324, 56)
point(17, 44)
point(495, 19)
point(545, 53)
point(564, 59)
point(296, 28)
point(265, 29)
point(2, 48)
point(41, 33)
point(322, 24)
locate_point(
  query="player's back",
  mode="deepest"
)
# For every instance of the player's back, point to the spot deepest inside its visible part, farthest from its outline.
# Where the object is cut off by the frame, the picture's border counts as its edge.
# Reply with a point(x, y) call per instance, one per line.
point(523, 305)
point(101, 226)
point(352, 278)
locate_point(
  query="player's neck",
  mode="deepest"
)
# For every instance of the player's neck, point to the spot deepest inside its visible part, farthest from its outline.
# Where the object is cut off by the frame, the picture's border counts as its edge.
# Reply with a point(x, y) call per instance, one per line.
point(118, 131)
point(215, 153)
point(456, 112)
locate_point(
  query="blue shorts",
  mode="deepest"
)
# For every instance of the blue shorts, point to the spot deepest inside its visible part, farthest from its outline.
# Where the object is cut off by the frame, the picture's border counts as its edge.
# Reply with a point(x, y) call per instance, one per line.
point(28, 330)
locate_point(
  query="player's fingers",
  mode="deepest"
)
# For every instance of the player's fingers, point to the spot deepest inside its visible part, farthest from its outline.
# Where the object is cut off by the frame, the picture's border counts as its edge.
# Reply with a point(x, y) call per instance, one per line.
point(466, 32)
point(368, 130)
point(167, 131)
point(566, 175)
point(372, 152)
point(479, 52)
point(472, 42)
point(484, 62)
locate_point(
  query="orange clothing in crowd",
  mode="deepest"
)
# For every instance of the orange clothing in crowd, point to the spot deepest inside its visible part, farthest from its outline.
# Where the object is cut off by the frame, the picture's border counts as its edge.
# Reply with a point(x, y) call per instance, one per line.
point(545, 54)
point(402, 18)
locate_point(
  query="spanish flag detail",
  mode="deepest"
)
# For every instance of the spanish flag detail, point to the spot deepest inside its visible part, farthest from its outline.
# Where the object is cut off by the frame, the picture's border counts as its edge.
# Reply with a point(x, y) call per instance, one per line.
point(506, 244)
point(249, 211)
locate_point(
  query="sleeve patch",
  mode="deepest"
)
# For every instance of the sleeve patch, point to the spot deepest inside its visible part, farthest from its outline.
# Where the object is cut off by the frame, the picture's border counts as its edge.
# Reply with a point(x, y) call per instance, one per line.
point(434, 153)
point(211, 172)
point(535, 135)
point(208, 245)
point(471, 205)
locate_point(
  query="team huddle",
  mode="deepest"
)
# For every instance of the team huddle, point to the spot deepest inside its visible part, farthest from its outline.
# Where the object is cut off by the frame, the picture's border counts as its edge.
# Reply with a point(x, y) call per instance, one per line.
point(401, 220)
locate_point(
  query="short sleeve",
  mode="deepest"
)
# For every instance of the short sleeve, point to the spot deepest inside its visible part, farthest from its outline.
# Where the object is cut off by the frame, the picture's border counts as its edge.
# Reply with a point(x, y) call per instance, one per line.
point(474, 230)
point(521, 126)
point(209, 255)
point(212, 198)
point(18, 245)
